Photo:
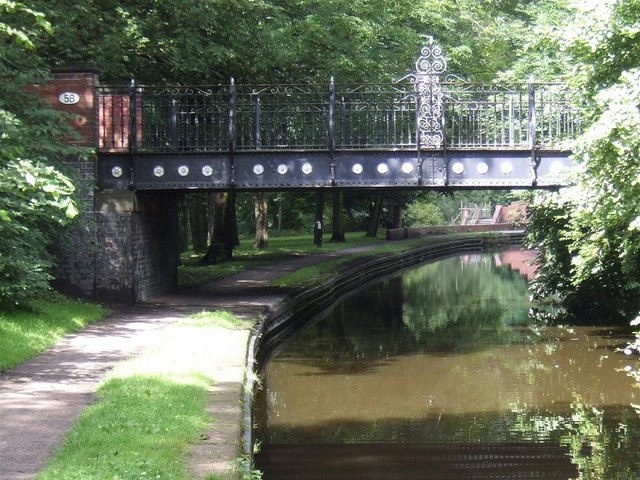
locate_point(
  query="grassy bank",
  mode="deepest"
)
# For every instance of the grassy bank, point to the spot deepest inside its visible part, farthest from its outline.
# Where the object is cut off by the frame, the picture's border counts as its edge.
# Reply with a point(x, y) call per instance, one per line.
point(191, 274)
point(149, 409)
point(245, 256)
point(25, 334)
point(322, 272)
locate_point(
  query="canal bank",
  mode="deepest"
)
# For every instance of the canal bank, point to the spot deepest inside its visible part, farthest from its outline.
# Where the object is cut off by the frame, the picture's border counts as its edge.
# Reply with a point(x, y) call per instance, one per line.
point(42, 398)
point(283, 320)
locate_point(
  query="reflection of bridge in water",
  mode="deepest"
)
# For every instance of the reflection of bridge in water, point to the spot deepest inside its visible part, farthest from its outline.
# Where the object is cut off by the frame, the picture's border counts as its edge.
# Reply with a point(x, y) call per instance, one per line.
point(522, 261)
point(429, 130)
point(517, 259)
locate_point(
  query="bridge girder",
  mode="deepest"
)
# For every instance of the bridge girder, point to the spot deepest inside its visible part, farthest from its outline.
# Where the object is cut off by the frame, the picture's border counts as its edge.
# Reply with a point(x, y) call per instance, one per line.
point(291, 170)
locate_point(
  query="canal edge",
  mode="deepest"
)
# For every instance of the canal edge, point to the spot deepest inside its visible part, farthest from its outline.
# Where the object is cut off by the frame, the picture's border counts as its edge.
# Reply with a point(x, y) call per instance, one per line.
point(313, 301)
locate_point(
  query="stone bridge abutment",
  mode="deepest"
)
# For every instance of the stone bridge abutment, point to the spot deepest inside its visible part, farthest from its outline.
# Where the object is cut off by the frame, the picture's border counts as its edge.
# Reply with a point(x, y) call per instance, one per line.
point(124, 246)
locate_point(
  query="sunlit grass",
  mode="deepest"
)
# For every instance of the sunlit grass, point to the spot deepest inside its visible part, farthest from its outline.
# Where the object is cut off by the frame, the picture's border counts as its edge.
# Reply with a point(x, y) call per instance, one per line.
point(245, 256)
point(149, 410)
point(218, 318)
point(322, 272)
point(25, 334)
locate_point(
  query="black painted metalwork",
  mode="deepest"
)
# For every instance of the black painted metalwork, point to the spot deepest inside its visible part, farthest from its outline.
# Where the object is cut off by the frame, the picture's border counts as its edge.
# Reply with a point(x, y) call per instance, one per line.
point(282, 136)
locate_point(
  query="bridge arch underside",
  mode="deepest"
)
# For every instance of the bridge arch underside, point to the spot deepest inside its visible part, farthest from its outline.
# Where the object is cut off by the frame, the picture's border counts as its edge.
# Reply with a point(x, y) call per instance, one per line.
point(283, 170)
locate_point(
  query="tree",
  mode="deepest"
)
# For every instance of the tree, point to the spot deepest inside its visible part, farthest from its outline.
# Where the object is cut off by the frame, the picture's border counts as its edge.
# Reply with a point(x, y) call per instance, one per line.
point(337, 223)
point(224, 233)
point(36, 199)
point(262, 221)
point(589, 234)
point(375, 212)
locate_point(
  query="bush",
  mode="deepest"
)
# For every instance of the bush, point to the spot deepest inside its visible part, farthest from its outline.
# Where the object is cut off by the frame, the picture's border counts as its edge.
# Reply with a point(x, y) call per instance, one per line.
point(421, 213)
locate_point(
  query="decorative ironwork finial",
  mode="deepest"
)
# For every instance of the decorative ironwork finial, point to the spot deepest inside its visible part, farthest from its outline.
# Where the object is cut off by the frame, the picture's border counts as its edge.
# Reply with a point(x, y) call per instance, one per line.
point(426, 80)
point(431, 60)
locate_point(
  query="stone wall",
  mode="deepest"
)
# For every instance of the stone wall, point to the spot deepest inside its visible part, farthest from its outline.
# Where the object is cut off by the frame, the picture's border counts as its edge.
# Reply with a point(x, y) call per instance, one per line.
point(124, 246)
point(137, 254)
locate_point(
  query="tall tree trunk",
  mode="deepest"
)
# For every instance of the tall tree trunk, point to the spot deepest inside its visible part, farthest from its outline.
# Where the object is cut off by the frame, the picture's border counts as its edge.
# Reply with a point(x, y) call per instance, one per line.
point(183, 224)
point(396, 221)
point(374, 215)
point(223, 232)
point(198, 221)
point(337, 227)
point(230, 232)
point(262, 221)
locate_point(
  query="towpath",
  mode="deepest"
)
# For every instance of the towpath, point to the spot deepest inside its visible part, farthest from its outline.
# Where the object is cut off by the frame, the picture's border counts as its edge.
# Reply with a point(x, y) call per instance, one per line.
point(42, 398)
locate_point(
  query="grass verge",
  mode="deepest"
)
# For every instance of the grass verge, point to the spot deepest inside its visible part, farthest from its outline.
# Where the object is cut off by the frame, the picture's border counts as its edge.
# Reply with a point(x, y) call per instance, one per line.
point(25, 334)
point(149, 409)
point(191, 274)
point(323, 272)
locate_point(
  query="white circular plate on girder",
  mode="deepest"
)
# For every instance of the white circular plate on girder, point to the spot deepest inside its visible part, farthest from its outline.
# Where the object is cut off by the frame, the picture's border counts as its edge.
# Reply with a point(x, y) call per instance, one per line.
point(282, 169)
point(258, 169)
point(307, 168)
point(183, 170)
point(556, 168)
point(117, 171)
point(407, 167)
point(207, 170)
point(457, 168)
point(383, 168)
point(158, 171)
point(506, 168)
point(357, 169)
point(482, 168)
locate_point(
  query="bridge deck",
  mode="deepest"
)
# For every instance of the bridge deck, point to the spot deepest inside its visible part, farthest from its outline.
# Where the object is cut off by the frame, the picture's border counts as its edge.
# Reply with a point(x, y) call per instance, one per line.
point(309, 136)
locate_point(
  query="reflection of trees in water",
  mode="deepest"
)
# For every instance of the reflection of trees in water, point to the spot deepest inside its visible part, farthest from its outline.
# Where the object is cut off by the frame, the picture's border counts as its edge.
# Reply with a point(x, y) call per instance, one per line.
point(596, 445)
point(454, 305)
point(603, 444)
point(360, 333)
point(458, 303)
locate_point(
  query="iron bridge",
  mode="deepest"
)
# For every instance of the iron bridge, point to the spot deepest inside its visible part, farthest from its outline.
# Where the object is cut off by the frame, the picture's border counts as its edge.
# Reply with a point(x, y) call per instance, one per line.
point(428, 130)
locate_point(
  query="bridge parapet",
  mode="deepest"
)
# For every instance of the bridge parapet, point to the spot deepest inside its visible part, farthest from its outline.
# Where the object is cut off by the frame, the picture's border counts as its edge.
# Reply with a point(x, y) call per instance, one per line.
point(225, 118)
point(427, 130)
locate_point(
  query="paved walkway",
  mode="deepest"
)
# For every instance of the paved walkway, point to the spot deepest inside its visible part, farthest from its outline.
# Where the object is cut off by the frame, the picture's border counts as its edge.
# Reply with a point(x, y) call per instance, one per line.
point(41, 399)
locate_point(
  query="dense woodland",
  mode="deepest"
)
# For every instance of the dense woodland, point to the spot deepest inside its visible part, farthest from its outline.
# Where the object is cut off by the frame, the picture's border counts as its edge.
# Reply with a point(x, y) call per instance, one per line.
point(588, 234)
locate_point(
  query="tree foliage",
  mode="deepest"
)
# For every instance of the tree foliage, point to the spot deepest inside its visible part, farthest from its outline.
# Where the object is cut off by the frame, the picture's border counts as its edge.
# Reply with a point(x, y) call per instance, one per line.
point(268, 41)
point(35, 197)
point(589, 234)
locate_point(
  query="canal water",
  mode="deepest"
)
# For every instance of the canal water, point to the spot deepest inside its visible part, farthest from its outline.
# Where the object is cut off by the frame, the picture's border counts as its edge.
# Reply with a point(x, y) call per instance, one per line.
point(440, 373)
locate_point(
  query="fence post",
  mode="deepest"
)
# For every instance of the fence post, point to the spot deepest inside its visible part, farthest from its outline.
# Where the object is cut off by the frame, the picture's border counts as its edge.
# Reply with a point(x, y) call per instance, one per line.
point(532, 131)
point(174, 124)
point(133, 121)
point(133, 131)
point(332, 129)
point(258, 123)
point(512, 131)
point(532, 114)
point(232, 129)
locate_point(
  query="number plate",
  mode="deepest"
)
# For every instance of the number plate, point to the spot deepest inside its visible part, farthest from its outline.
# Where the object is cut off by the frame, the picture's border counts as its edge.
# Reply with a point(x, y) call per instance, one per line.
point(69, 98)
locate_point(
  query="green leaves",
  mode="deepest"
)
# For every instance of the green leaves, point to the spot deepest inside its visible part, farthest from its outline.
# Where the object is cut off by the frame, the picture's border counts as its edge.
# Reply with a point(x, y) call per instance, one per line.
point(29, 25)
point(595, 240)
point(35, 201)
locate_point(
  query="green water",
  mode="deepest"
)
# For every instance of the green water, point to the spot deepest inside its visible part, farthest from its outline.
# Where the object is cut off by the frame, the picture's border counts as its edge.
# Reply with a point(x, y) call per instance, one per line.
point(440, 373)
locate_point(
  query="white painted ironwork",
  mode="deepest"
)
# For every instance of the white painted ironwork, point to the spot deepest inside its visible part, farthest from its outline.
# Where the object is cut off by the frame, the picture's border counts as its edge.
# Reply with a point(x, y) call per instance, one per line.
point(426, 81)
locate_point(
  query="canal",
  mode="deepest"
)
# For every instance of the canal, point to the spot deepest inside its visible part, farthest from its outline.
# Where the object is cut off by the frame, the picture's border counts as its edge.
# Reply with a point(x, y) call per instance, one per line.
point(440, 372)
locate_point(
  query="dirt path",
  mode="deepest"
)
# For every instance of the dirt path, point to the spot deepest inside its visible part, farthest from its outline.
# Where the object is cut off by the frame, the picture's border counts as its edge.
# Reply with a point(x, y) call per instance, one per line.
point(41, 399)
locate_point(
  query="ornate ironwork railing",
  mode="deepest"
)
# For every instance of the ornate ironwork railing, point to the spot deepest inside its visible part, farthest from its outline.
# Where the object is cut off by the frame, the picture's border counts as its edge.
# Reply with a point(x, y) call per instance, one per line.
point(342, 117)
point(425, 110)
